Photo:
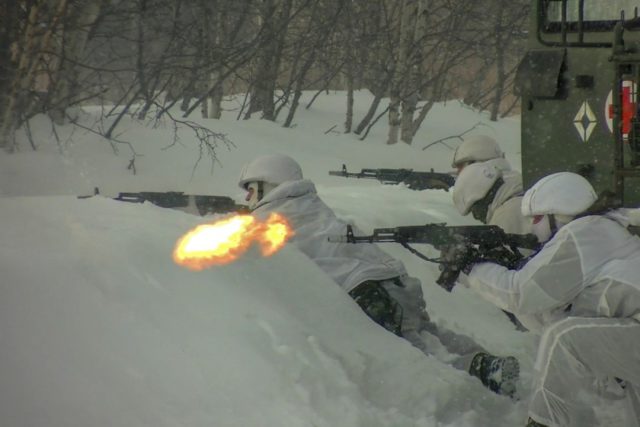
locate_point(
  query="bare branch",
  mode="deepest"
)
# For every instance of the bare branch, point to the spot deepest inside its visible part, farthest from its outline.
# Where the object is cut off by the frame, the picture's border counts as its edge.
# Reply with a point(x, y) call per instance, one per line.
point(458, 137)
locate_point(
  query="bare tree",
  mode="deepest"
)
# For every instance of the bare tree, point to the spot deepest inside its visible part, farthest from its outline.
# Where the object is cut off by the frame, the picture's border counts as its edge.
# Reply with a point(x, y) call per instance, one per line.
point(273, 19)
point(496, 39)
point(81, 18)
point(11, 21)
point(223, 25)
point(140, 58)
point(373, 47)
point(427, 49)
point(315, 38)
point(38, 22)
point(410, 26)
point(508, 39)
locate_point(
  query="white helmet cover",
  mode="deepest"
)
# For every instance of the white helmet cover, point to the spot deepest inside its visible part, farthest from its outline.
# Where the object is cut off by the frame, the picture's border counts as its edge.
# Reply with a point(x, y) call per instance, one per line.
point(273, 169)
point(562, 193)
point(472, 184)
point(476, 148)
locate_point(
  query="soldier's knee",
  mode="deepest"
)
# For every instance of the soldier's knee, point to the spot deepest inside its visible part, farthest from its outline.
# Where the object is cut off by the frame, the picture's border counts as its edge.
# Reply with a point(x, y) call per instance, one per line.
point(562, 330)
point(376, 302)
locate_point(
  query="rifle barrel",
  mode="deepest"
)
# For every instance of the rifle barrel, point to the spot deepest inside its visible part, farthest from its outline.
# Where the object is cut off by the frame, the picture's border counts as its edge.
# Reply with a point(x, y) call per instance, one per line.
point(438, 234)
point(364, 174)
point(415, 180)
point(346, 174)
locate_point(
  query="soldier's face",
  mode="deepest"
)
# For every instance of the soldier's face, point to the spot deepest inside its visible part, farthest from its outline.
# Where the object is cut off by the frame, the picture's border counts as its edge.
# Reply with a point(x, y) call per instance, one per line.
point(461, 166)
point(541, 227)
point(253, 194)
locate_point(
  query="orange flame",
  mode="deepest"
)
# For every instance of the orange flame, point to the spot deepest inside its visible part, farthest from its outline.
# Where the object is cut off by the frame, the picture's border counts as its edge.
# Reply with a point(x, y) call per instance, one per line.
point(226, 240)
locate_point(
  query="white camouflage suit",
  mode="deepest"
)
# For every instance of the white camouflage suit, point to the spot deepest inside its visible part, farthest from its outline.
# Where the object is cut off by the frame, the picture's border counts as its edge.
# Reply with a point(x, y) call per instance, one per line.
point(352, 264)
point(476, 184)
point(581, 292)
point(504, 210)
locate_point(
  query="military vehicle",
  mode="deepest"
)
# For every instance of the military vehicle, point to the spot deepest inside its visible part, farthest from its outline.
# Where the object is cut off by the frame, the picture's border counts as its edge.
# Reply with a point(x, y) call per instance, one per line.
point(579, 86)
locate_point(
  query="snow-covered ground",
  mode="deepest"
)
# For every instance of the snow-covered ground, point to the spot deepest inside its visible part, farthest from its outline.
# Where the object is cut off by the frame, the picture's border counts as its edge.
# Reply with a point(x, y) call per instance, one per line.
point(98, 326)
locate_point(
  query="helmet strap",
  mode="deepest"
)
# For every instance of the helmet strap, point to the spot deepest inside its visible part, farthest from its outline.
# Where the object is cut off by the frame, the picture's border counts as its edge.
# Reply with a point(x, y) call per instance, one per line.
point(553, 224)
point(480, 209)
point(557, 221)
point(260, 190)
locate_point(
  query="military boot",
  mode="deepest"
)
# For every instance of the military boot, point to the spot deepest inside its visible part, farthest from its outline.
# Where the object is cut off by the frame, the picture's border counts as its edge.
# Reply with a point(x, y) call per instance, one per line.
point(532, 423)
point(498, 374)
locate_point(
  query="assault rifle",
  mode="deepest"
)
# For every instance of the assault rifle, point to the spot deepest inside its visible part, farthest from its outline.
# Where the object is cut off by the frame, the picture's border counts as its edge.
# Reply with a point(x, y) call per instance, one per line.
point(200, 204)
point(415, 180)
point(481, 243)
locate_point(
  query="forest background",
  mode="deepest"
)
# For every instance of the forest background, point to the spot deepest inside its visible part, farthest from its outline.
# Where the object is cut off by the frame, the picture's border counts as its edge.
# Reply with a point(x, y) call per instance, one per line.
point(141, 58)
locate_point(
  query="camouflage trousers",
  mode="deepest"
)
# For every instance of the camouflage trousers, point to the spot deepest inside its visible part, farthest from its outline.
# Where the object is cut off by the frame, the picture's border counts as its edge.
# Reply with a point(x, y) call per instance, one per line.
point(381, 307)
point(398, 306)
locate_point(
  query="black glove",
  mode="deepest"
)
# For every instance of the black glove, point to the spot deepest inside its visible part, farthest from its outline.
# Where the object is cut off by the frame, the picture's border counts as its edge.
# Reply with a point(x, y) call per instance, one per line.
point(503, 256)
point(462, 256)
point(455, 259)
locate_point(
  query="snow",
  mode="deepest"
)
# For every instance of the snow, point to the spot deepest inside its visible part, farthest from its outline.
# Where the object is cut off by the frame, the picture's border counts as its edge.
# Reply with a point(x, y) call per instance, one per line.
point(98, 326)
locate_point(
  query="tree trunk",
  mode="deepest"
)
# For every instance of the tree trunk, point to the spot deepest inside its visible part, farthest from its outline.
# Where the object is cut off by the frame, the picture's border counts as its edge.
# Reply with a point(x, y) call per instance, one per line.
point(204, 105)
point(213, 34)
point(294, 106)
point(399, 83)
point(321, 40)
point(348, 123)
point(141, 71)
point(377, 97)
point(274, 14)
point(348, 74)
point(394, 117)
point(500, 68)
point(379, 92)
point(76, 35)
point(413, 83)
point(409, 104)
point(8, 36)
point(421, 115)
point(17, 103)
point(215, 112)
point(10, 111)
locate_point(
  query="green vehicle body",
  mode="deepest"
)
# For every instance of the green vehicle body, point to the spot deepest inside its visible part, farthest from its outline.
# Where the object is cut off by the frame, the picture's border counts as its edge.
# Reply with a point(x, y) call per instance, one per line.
point(578, 82)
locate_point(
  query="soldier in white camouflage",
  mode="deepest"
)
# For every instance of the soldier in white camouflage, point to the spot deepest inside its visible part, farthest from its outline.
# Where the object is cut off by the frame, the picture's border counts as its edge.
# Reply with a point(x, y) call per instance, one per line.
point(377, 282)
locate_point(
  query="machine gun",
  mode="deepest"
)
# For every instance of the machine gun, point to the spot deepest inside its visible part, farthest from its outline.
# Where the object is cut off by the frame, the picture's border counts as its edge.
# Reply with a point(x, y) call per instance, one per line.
point(415, 180)
point(200, 204)
point(481, 243)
